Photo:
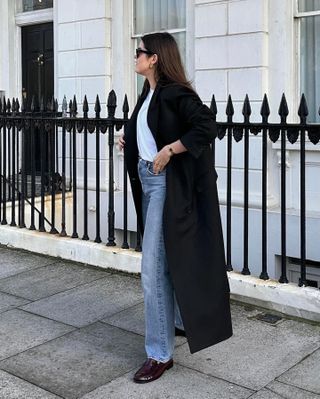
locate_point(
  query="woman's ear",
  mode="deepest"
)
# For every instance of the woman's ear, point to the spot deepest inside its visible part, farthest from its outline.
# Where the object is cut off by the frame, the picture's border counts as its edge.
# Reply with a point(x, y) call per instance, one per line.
point(154, 59)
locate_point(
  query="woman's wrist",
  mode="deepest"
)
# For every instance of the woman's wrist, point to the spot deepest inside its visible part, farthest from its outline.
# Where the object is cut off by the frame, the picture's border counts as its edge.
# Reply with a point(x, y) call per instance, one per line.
point(171, 151)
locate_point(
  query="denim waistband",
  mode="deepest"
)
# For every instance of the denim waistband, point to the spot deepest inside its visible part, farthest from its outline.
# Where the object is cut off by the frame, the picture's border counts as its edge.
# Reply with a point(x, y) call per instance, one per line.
point(144, 161)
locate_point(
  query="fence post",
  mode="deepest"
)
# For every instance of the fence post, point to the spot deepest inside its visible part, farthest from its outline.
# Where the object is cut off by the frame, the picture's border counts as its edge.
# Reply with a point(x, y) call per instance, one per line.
point(112, 104)
point(283, 112)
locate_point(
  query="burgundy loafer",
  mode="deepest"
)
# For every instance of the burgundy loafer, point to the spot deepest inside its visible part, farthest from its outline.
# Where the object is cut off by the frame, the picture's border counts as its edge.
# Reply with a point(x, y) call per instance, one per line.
point(151, 370)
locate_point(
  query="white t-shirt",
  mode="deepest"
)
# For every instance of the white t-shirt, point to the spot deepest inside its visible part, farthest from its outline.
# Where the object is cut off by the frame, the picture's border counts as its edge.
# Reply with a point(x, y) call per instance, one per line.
point(146, 144)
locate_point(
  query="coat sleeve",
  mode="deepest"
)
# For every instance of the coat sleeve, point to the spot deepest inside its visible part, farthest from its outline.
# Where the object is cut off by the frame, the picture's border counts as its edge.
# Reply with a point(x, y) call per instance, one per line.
point(201, 126)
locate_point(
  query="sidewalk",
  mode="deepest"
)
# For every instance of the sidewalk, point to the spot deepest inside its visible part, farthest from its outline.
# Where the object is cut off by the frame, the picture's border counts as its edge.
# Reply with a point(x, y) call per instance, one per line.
point(71, 331)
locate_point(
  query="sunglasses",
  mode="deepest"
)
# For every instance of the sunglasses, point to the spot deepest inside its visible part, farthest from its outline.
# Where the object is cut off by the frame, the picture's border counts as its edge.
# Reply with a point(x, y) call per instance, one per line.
point(142, 51)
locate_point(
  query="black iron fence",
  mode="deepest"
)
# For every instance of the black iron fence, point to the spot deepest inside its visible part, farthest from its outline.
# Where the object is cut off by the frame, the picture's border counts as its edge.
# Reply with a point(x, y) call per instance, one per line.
point(38, 150)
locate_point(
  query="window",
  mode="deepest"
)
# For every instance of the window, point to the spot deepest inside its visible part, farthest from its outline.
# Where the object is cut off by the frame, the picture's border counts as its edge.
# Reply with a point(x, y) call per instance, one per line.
point(160, 15)
point(309, 16)
point(34, 5)
point(309, 5)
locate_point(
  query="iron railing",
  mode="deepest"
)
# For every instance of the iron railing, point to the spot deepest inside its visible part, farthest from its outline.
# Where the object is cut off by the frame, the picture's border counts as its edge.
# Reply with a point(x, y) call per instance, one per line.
point(282, 131)
point(58, 133)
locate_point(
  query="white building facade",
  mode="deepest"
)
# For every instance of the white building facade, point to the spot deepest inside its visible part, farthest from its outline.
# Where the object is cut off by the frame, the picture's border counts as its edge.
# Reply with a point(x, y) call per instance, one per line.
point(234, 47)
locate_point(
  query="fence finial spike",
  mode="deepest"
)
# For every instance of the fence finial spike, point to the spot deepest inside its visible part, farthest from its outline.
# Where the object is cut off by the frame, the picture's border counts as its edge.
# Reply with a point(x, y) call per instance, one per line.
point(303, 108)
point(125, 107)
point(74, 105)
point(112, 99)
point(8, 105)
point(283, 108)
point(42, 108)
point(17, 105)
point(13, 105)
point(246, 109)
point(85, 107)
point(0, 106)
point(33, 104)
point(24, 104)
point(213, 105)
point(49, 104)
point(97, 106)
point(112, 104)
point(53, 104)
point(64, 106)
point(56, 105)
point(265, 110)
point(4, 107)
point(229, 109)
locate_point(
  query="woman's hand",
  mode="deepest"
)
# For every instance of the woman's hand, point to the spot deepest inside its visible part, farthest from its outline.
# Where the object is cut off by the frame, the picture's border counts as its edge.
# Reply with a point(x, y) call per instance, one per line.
point(121, 142)
point(161, 159)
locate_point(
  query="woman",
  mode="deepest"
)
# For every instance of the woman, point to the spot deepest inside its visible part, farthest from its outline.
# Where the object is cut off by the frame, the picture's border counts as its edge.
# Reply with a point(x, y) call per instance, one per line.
point(169, 161)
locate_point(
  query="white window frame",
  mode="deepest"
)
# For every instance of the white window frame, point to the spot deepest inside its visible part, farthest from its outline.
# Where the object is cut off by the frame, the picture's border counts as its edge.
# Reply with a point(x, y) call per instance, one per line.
point(297, 16)
point(189, 32)
point(297, 97)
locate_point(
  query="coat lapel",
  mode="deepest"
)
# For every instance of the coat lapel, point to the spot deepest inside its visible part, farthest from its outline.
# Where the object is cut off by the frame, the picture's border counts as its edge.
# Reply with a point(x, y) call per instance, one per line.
point(152, 116)
point(153, 112)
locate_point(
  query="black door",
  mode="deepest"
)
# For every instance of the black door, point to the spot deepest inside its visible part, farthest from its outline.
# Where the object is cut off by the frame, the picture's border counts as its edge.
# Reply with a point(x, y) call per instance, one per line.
point(37, 73)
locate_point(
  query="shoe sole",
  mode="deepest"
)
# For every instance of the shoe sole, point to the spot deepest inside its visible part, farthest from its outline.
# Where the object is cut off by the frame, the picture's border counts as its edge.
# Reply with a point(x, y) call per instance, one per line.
point(153, 379)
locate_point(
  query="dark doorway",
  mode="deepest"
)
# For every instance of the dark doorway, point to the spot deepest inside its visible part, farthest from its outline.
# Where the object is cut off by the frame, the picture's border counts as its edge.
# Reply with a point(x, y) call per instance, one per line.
point(37, 74)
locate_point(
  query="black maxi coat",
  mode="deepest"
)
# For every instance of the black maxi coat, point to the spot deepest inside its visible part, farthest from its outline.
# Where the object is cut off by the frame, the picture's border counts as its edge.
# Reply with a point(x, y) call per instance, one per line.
point(192, 224)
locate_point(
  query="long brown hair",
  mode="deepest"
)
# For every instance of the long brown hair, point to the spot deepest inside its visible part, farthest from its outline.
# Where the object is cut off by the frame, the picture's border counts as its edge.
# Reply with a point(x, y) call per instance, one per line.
point(169, 68)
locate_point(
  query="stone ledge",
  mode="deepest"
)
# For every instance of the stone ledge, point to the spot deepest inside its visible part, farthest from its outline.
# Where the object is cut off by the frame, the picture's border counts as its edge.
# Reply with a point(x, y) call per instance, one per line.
point(77, 250)
point(302, 302)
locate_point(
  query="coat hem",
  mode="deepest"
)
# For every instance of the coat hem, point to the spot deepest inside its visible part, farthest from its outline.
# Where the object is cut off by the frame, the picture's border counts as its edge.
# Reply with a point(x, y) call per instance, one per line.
point(197, 348)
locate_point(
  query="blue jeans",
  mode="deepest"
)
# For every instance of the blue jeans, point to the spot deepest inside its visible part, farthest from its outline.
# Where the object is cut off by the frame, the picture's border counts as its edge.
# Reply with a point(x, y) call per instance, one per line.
point(160, 306)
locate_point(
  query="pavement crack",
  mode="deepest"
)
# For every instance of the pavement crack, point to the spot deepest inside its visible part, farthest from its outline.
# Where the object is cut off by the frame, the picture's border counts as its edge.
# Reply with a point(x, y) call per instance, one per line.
point(66, 290)
point(120, 311)
point(16, 296)
point(33, 347)
point(45, 317)
point(300, 361)
point(294, 386)
point(28, 270)
point(110, 325)
point(277, 393)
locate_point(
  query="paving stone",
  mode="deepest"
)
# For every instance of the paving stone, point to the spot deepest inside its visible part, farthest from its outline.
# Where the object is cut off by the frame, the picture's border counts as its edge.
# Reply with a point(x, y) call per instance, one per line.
point(287, 391)
point(132, 319)
point(13, 261)
point(257, 352)
point(9, 302)
point(20, 330)
point(79, 362)
point(12, 387)
point(49, 280)
point(84, 305)
point(176, 383)
point(305, 375)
